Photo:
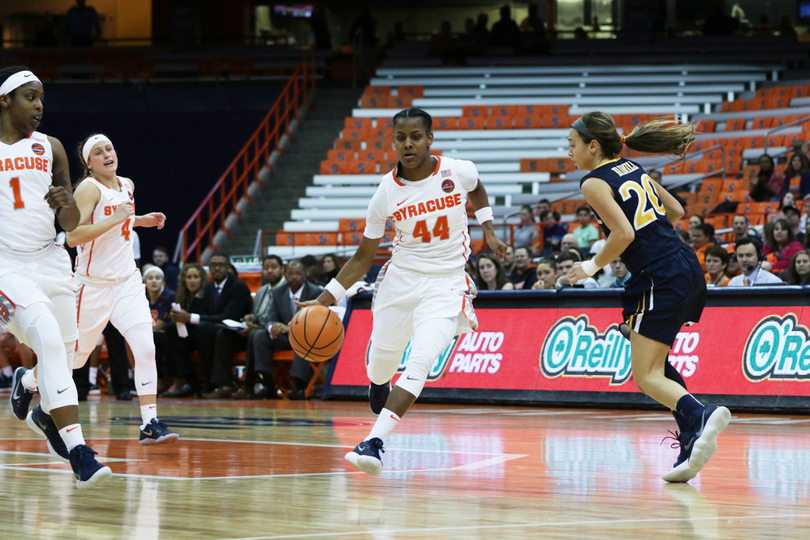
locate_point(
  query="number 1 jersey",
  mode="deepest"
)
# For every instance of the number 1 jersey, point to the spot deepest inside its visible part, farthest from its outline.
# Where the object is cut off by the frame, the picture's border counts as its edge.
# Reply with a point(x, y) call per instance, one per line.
point(429, 216)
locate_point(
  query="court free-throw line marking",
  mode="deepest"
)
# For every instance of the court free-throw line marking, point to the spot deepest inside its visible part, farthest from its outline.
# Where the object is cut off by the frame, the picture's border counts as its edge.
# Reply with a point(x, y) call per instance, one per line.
point(578, 524)
point(488, 462)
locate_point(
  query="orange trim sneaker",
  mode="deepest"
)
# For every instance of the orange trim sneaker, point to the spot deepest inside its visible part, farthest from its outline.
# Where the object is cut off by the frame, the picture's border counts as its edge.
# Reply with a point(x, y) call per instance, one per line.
point(87, 470)
point(42, 423)
point(156, 432)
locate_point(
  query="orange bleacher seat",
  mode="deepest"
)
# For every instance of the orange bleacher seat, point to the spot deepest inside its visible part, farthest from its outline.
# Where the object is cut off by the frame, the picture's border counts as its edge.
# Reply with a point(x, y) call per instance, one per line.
point(705, 126)
point(379, 133)
point(340, 155)
point(702, 209)
point(476, 246)
point(361, 167)
point(718, 221)
point(730, 186)
point(681, 225)
point(733, 166)
point(347, 144)
point(331, 167)
point(372, 155)
point(750, 172)
point(752, 142)
point(763, 122)
point(555, 122)
point(727, 106)
point(691, 198)
point(735, 124)
point(569, 206)
point(503, 110)
point(695, 167)
point(528, 122)
point(741, 196)
point(709, 199)
point(351, 238)
point(387, 166)
point(559, 165)
point(764, 207)
point(528, 110)
point(756, 219)
point(400, 102)
point(531, 165)
point(445, 122)
point(713, 185)
point(355, 133)
point(776, 140)
point(471, 122)
point(352, 123)
point(377, 143)
point(475, 111)
point(800, 91)
point(790, 138)
point(351, 225)
point(777, 102)
point(373, 101)
point(713, 165)
point(499, 122)
point(291, 239)
point(322, 239)
point(377, 90)
point(412, 91)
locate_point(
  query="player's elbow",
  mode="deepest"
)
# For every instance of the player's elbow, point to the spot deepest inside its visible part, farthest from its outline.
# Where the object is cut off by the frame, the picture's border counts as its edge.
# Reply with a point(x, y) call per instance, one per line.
point(674, 214)
point(626, 236)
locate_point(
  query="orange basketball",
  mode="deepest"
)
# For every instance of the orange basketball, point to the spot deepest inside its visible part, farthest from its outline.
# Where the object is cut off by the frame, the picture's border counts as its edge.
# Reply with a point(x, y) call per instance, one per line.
point(316, 333)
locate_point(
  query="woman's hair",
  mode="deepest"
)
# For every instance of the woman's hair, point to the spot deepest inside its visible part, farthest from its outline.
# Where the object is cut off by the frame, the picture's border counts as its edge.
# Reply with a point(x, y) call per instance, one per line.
point(767, 232)
point(716, 251)
point(413, 112)
point(782, 200)
point(763, 175)
point(7, 72)
point(549, 262)
point(317, 275)
point(85, 168)
point(790, 172)
point(701, 218)
point(656, 137)
point(335, 260)
point(184, 296)
point(529, 209)
point(793, 277)
point(500, 273)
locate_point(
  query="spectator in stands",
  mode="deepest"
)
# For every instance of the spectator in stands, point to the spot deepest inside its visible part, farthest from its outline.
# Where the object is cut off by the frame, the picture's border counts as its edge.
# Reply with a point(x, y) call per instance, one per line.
point(81, 25)
point(768, 183)
point(225, 297)
point(794, 217)
point(569, 241)
point(718, 23)
point(798, 273)
point(798, 165)
point(701, 237)
point(749, 257)
point(331, 265)
point(716, 264)
point(524, 275)
point(553, 232)
point(526, 233)
point(481, 31)
point(543, 205)
point(444, 44)
point(764, 28)
point(546, 274)
point(505, 32)
point(491, 276)
point(160, 304)
point(618, 277)
point(786, 28)
point(160, 258)
point(684, 235)
point(655, 175)
point(565, 262)
point(468, 41)
point(741, 227)
point(695, 220)
point(586, 233)
point(781, 243)
point(787, 200)
point(509, 260)
point(533, 31)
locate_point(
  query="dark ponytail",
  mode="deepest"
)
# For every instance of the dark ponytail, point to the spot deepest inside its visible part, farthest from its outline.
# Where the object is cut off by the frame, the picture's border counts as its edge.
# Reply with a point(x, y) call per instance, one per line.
point(656, 137)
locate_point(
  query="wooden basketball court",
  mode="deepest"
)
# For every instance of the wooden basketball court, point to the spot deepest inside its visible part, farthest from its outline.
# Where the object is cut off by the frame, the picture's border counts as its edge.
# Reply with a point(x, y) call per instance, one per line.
point(275, 469)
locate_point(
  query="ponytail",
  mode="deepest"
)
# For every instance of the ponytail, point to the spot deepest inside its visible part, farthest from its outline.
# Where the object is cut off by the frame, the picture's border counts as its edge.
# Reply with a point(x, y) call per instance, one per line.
point(657, 136)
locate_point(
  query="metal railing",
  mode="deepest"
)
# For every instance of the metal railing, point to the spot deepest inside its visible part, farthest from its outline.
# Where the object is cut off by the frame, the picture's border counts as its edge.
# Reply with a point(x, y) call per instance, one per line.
point(783, 126)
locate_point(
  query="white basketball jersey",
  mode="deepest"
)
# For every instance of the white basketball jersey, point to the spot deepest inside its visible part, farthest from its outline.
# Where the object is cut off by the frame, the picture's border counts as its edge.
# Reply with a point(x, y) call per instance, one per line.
point(430, 217)
point(110, 256)
point(26, 220)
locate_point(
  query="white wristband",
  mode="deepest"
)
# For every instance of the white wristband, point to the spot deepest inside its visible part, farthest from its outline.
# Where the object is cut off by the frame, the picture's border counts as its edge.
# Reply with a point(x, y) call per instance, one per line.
point(590, 267)
point(484, 214)
point(335, 289)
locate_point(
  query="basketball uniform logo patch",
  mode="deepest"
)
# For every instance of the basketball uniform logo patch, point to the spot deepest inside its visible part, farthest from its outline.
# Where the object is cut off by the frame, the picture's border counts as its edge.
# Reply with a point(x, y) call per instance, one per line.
point(7, 308)
point(448, 186)
point(38, 149)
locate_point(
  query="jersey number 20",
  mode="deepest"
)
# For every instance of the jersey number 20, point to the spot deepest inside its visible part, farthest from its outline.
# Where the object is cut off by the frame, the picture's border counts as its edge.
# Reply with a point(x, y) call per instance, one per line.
point(645, 193)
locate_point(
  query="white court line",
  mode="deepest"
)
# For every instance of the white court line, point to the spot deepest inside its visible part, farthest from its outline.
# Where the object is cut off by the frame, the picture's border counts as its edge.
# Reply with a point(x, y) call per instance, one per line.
point(488, 462)
point(578, 524)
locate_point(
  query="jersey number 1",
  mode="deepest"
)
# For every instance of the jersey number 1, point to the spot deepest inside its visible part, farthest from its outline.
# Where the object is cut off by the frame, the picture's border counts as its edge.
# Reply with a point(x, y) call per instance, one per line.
point(15, 190)
point(125, 230)
point(440, 230)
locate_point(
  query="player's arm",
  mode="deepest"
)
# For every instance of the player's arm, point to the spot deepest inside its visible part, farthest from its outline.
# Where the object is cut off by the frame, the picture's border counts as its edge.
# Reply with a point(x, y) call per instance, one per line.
point(478, 198)
point(674, 209)
point(600, 196)
point(87, 197)
point(60, 194)
point(152, 219)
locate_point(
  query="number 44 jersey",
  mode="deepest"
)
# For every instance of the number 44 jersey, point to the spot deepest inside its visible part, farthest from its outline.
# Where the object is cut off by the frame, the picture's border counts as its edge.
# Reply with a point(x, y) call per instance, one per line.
point(429, 216)
point(637, 195)
point(110, 256)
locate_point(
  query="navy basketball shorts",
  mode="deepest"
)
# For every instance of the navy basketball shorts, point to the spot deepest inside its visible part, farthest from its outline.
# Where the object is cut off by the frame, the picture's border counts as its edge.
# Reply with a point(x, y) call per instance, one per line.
point(665, 295)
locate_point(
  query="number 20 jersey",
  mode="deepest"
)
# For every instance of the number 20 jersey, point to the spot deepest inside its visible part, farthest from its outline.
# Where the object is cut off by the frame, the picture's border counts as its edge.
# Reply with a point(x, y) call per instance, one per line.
point(429, 216)
point(637, 195)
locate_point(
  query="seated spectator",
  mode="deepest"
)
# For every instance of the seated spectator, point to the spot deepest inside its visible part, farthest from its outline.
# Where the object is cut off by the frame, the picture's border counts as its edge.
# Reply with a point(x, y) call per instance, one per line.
point(317, 275)
point(505, 32)
point(749, 257)
point(569, 241)
point(546, 274)
point(490, 276)
point(160, 304)
point(684, 235)
point(481, 31)
point(225, 297)
point(586, 233)
point(331, 265)
point(618, 277)
point(565, 262)
point(716, 259)
point(794, 174)
point(229, 342)
point(509, 260)
point(695, 220)
point(553, 232)
point(741, 227)
point(523, 276)
point(160, 257)
point(526, 233)
point(533, 32)
point(276, 338)
point(780, 245)
point(794, 217)
point(787, 200)
point(701, 237)
point(798, 273)
point(768, 183)
point(542, 206)
point(786, 28)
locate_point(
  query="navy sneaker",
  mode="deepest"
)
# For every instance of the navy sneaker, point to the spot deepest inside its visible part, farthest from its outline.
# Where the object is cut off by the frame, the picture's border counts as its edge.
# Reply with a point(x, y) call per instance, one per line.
point(87, 470)
point(156, 432)
point(20, 397)
point(366, 456)
point(377, 396)
point(680, 470)
point(713, 420)
point(42, 423)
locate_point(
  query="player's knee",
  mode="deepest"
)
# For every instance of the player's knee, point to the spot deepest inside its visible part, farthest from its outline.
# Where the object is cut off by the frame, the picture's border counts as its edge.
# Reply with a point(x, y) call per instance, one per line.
point(383, 363)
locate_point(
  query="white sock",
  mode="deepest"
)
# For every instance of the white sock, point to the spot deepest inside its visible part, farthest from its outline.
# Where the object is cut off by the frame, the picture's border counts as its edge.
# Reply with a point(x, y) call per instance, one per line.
point(29, 381)
point(384, 425)
point(93, 375)
point(8, 372)
point(72, 435)
point(147, 413)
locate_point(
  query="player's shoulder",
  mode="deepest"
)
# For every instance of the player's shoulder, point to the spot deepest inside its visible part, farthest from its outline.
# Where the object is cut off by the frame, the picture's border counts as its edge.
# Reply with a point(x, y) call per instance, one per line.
point(127, 181)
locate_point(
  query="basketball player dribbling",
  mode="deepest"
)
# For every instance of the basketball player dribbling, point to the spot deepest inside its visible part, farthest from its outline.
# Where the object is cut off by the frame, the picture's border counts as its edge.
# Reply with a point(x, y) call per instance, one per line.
point(667, 288)
point(37, 295)
point(422, 293)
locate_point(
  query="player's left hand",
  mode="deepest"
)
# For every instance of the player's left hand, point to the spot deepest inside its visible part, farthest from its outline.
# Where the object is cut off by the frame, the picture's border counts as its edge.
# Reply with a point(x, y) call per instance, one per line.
point(59, 197)
point(576, 273)
point(154, 219)
point(497, 247)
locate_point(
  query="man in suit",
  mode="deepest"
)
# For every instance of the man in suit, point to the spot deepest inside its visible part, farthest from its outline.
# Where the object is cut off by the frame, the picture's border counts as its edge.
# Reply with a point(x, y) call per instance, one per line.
point(276, 335)
point(229, 342)
point(225, 297)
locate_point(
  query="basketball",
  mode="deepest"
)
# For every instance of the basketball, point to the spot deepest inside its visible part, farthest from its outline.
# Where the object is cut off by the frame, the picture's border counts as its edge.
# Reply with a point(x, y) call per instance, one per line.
point(316, 333)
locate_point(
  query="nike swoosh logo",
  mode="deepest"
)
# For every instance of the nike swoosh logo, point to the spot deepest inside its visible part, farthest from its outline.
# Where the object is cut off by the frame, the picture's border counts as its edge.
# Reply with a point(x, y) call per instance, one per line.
point(361, 447)
point(699, 432)
point(411, 378)
point(145, 383)
point(26, 76)
point(394, 417)
point(62, 390)
point(17, 393)
point(71, 429)
point(688, 446)
point(402, 201)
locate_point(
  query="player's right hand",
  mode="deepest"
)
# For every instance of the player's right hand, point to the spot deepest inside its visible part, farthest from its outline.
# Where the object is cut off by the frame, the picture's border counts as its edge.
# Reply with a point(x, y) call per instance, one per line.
point(124, 212)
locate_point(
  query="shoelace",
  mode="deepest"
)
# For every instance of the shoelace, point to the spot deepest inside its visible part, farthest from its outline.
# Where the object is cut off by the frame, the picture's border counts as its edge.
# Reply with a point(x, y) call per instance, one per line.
point(675, 435)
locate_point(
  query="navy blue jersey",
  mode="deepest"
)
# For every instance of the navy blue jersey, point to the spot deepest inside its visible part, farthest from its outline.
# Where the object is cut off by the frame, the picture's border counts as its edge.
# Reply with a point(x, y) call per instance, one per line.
point(637, 195)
